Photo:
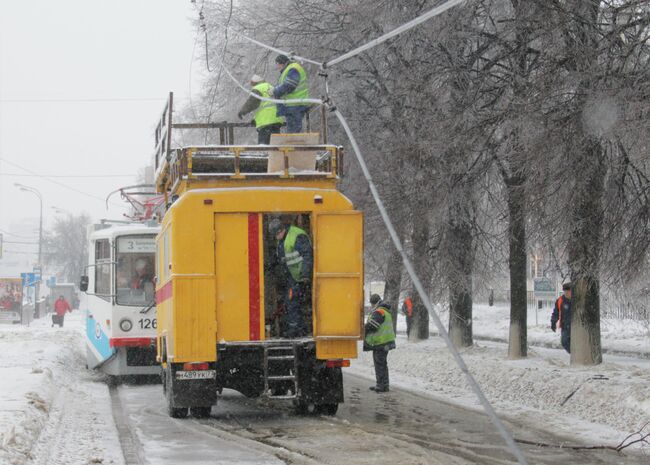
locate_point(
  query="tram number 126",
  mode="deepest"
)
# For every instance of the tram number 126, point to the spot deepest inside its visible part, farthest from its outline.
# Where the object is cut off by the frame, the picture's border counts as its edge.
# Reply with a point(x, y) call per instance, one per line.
point(147, 323)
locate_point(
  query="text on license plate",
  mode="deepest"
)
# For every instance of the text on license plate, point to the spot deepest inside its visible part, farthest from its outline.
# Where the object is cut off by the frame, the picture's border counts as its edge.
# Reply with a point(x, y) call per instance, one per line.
point(198, 374)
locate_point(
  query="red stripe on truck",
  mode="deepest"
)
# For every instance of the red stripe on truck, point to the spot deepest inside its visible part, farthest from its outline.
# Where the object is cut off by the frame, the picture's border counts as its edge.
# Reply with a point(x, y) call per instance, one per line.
point(254, 276)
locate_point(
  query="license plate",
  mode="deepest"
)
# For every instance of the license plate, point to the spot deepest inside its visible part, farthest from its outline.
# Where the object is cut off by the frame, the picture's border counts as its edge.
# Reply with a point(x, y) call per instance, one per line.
point(198, 374)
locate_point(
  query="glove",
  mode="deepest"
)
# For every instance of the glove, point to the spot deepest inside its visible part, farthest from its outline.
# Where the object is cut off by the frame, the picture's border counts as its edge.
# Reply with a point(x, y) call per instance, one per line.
point(271, 90)
point(553, 327)
point(252, 123)
point(240, 115)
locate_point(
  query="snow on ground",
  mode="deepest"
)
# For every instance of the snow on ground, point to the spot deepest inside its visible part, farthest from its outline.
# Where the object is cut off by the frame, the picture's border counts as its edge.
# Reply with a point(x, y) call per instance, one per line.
point(52, 410)
point(617, 335)
point(600, 405)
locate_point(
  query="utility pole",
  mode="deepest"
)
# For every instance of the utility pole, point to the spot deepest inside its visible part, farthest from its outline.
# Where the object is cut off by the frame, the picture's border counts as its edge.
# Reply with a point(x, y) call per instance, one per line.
point(39, 265)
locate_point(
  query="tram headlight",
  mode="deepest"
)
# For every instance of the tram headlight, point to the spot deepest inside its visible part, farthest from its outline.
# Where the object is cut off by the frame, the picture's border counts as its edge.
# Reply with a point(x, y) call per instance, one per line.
point(126, 325)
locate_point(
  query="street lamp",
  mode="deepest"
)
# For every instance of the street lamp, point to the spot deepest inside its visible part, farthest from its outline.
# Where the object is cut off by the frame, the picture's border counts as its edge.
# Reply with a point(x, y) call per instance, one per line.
point(61, 211)
point(36, 192)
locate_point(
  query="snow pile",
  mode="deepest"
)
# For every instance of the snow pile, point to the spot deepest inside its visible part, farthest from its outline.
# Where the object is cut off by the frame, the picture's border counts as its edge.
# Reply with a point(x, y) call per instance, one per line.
point(51, 409)
point(601, 404)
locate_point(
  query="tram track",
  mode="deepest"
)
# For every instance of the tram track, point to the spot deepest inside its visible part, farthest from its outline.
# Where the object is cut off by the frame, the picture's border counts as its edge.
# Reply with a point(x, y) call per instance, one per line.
point(399, 428)
point(131, 447)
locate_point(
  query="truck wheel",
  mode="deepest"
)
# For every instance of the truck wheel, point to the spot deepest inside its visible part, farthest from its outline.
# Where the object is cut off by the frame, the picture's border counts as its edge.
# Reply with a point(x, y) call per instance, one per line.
point(174, 412)
point(201, 412)
point(177, 412)
point(304, 408)
point(327, 409)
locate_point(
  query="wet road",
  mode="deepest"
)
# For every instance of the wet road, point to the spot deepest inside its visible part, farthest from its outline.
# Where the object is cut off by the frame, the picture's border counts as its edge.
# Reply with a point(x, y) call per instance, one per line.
point(393, 428)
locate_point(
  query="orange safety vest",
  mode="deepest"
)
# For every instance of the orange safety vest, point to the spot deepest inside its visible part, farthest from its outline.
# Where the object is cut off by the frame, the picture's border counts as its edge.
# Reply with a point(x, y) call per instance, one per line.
point(409, 306)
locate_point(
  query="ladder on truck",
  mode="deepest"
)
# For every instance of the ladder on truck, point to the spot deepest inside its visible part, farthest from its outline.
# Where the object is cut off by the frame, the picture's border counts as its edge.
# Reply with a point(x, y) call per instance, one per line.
point(280, 371)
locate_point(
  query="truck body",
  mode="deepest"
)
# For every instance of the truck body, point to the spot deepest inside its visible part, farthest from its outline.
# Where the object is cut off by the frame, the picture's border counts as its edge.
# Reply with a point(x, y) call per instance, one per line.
point(219, 292)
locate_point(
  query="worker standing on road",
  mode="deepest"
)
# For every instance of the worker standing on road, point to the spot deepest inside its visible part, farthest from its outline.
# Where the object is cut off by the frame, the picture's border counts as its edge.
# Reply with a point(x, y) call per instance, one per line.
point(61, 306)
point(295, 253)
point(380, 338)
point(407, 311)
point(562, 316)
point(291, 85)
point(266, 119)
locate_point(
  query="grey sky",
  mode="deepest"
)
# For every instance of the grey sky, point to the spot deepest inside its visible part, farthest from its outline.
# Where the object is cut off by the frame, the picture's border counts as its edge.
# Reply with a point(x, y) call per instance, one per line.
point(84, 49)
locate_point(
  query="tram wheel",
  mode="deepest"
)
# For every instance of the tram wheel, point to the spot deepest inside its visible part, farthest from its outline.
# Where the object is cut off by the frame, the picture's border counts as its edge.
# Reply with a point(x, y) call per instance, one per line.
point(201, 412)
point(177, 412)
point(327, 409)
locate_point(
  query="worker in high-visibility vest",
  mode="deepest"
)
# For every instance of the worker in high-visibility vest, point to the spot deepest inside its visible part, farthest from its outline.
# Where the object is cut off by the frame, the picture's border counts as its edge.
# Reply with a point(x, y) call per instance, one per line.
point(295, 255)
point(266, 119)
point(292, 85)
point(380, 338)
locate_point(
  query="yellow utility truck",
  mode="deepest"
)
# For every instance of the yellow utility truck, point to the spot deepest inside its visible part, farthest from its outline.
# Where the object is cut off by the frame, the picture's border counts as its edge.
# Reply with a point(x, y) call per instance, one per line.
point(221, 290)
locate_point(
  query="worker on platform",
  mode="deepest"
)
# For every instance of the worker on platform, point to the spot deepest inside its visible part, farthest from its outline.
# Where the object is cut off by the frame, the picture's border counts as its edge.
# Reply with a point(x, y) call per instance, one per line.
point(562, 316)
point(380, 338)
point(291, 85)
point(294, 253)
point(265, 118)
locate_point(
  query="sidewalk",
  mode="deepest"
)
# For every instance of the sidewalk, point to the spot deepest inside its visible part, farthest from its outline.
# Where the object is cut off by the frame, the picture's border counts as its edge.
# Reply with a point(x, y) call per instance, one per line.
point(599, 405)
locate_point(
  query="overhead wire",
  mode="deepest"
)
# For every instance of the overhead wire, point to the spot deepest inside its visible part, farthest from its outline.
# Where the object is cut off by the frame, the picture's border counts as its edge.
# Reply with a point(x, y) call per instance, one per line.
point(474, 386)
point(58, 183)
point(399, 30)
point(81, 100)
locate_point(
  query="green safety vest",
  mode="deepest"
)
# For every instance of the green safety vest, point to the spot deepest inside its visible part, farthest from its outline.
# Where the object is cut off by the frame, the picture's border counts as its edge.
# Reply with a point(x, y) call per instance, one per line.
point(265, 115)
point(292, 257)
point(385, 333)
point(301, 90)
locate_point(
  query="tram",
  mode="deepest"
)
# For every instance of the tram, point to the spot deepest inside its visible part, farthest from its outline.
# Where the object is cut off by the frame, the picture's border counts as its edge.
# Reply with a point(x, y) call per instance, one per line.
point(121, 313)
point(219, 293)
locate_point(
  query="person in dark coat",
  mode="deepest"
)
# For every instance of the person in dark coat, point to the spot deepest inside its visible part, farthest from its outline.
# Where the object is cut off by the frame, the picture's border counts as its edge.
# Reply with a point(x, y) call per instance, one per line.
point(407, 311)
point(380, 338)
point(562, 317)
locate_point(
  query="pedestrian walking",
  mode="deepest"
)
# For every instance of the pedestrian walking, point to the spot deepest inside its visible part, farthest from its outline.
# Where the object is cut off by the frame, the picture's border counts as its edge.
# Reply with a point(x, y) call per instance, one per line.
point(407, 311)
point(61, 306)
point(380, 338)
point(291, 85)
point(562, 317)
point(265, 118)
point(295, 254)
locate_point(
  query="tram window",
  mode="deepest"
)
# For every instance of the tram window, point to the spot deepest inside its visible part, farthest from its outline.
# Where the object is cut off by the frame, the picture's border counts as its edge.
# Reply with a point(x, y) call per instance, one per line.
point(134, 270)
point(103, 268)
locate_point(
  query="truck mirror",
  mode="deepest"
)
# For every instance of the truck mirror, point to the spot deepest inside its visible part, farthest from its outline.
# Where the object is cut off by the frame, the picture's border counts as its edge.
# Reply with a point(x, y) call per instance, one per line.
point(83, 284)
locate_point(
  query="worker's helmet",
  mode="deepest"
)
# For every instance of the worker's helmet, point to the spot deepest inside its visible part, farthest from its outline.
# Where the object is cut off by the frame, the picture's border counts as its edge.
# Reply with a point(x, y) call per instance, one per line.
point(275, 226)
point(282, 59)
point(566, 286)
point(256, 79)
point(374, 299)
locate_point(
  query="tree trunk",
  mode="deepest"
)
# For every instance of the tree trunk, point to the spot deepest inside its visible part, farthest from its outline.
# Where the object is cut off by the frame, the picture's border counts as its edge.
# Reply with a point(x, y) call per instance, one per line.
point(585, 250)
point(420, 238)
point(518, 338)
point(459, 269)
point(393, 284)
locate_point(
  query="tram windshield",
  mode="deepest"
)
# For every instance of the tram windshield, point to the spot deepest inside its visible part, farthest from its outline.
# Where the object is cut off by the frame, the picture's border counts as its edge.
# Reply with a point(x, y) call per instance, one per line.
point(134, 275)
